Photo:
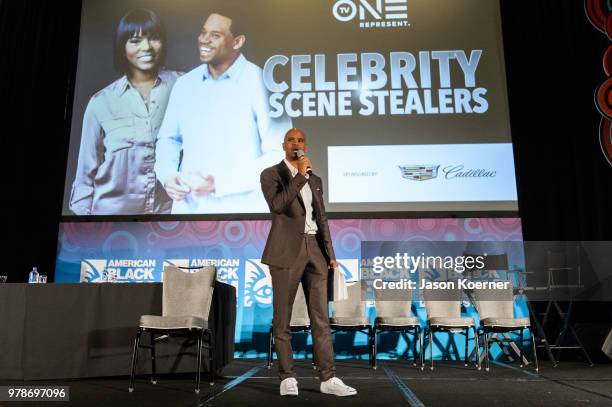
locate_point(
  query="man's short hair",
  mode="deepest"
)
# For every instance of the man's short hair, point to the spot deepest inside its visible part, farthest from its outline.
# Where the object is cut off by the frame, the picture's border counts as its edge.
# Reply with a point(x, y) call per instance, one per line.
point(136, 21)
point(234, 13)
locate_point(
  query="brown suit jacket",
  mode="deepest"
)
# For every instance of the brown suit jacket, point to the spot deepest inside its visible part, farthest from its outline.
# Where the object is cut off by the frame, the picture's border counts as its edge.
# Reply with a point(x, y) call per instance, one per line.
point(282, 193)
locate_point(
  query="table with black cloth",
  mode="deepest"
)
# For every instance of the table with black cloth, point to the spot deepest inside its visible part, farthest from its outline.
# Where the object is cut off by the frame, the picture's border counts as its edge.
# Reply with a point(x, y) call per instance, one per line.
point(58, 331)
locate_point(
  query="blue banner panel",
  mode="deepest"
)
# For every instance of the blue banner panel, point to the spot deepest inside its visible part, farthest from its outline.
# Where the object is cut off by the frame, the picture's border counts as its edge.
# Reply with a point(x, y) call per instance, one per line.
point(136, 252)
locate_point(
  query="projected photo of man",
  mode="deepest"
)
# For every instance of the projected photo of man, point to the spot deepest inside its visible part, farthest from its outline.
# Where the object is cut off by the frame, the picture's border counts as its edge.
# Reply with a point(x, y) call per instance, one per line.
point(115, 171)
point(217, 135)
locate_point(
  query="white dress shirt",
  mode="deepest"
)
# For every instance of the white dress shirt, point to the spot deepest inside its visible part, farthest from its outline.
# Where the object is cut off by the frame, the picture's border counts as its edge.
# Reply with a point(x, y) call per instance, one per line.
point(310, 227)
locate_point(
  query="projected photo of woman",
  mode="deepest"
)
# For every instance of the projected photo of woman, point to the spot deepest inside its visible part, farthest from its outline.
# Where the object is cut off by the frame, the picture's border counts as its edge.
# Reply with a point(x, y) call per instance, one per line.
point(117, 153)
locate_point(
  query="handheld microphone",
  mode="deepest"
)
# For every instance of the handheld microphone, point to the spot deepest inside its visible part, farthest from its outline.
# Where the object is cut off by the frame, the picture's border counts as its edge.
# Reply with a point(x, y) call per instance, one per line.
point(300, 153)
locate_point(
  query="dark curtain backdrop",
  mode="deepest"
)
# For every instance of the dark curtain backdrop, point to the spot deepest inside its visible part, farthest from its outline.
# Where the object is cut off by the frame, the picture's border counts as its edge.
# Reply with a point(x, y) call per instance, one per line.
point(553, 58)
point(38, 51)
point(554, 65)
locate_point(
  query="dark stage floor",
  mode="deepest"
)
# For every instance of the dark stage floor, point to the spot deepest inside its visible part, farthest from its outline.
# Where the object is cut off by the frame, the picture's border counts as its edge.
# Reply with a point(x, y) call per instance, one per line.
point(247, 382)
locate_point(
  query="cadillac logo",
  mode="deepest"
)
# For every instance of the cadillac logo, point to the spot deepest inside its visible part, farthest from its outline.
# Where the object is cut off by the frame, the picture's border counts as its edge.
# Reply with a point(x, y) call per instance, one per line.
point(419, 172)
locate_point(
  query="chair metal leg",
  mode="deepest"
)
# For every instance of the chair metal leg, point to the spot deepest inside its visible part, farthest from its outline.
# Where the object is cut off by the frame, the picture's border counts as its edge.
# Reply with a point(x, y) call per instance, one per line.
point(270, 338)
point(421, 347)
point(431, 348)
point(414, 345)
point(314, 356)
point(535, 353)
point(521, 342)
point(467, 337)
point(540, 330)
point(197, 389)
point(153, 370)
point(486, 346)
point(134, 359)
point(563, 334)
point(212, 361)
point(370, 351)
point(314, 359)
point(374, 348)
point(585, 353)
point(477, 344)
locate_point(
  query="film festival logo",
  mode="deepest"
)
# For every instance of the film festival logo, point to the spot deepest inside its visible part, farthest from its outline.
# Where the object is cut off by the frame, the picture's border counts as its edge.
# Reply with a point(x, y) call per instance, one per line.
point(226, 269)
point(257, 283)
point(373, 13)
point(102, 270)
point(92, 271)
point(350, 269)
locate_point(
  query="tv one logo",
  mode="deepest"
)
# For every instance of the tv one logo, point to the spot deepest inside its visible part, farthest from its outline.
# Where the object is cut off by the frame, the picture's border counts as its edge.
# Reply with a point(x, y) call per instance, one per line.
point(373, 13)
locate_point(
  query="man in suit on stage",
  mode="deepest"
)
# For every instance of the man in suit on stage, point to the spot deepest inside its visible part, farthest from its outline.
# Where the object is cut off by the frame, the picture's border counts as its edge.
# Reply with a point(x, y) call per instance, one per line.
point(299, 248)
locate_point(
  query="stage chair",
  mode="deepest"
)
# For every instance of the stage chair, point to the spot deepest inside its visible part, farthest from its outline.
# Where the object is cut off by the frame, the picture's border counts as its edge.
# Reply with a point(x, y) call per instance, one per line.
point(187, 298)
point(496, 311)
point(495, 266)
point(393, 314)
point(300, 322)
point(564, 274)
point(444, 315)
point(349, 316)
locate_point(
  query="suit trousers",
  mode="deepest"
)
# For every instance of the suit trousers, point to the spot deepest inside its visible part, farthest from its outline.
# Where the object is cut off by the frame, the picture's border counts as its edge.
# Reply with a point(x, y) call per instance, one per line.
point(311, 268)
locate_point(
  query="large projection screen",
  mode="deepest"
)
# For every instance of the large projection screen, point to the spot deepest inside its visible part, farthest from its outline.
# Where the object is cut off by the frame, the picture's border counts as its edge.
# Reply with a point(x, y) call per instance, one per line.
point(403, 102)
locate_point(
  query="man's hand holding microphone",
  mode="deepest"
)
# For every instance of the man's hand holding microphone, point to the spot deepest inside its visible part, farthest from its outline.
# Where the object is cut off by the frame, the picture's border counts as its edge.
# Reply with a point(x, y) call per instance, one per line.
point(304, 164)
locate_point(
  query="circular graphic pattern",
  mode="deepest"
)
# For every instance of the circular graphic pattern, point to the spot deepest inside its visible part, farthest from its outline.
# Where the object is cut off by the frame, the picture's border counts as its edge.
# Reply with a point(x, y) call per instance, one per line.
point(152, 238)
point(388, 228)
point(261, 232)
point(607, 61)
point(450, 237)
point(121, 244)
point(205, 231)
point(218, 251)
point(501, 227)
point(235, 233)
point(472, 226)
point(349, 239)
point(603, 99)
point(168, 229)
point(605, 138)
point(597, 12)
point(427, 225)
point(96, 231)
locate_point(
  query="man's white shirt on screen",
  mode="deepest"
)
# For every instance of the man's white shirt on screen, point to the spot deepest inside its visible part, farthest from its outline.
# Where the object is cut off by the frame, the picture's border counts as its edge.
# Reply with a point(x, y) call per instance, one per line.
point(223, 129)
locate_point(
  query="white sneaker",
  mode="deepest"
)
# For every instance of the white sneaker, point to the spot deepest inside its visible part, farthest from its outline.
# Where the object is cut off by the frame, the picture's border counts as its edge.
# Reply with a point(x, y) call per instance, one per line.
point(336, 387)
point(288, 387)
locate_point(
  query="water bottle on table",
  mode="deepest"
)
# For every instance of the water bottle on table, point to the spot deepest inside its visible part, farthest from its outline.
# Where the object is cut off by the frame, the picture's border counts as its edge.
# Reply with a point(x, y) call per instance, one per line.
point(33, 277)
